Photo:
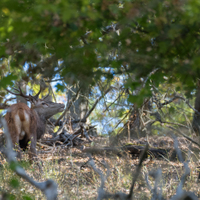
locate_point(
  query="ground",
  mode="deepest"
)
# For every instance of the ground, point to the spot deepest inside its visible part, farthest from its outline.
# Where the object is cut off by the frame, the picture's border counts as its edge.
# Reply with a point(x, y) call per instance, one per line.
point(77, 180)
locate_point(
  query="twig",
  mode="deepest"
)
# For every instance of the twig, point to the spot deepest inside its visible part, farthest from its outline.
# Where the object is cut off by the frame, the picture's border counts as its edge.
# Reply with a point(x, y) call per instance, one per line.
point(174, 123)
point(137, 171)
point(187, 137)
point(180, 193)
point(10, 99)
point(54, 80)
point(53, 93)
point(168, 102)
point(3, 106)
point(107, 107)
point(182, 98)
point(96, 102)
point(130, 110)
point(148, 76)
point(102, 194)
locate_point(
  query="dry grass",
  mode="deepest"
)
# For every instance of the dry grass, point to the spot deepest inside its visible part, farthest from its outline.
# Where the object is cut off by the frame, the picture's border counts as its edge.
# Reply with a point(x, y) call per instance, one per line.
point(77, 180)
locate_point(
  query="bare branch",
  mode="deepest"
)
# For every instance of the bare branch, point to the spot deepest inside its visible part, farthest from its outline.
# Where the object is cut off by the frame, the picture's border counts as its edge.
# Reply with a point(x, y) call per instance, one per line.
point(168, 102)
point(180, 193)
point(52, 92)
point(157, 175)
point(102, 194)
point(107, 107)
point(187, 137)
point(182, 98)
point(137, 171)
point(149, 75)
point(3, 106)
point(10, 99)
point(54, 80)
point(96, 102)
point(130, 110)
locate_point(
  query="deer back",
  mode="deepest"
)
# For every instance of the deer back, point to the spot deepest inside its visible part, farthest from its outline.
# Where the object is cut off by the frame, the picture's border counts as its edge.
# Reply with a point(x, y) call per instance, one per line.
point(20, 120)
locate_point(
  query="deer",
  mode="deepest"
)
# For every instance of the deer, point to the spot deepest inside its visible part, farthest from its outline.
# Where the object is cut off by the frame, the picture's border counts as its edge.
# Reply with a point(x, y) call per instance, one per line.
point(28, 124)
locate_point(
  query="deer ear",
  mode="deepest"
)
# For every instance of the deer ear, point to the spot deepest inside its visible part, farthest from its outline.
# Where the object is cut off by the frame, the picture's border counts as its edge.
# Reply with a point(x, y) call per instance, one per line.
point(32, 99)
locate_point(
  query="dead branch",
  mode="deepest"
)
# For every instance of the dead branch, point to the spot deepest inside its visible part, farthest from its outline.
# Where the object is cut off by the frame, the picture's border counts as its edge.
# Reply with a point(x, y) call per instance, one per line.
point(52, 92)
point(3, 106)
point(49, 187)
point(157, 175)
point(64, 138)
point(96, 102)
point(102, 194)
point(182, 98)
point(85, 133)
point(137, 171)
point(187, 137)
point(168, 102)
point(180, 193)
point(130, 110)
point(134, 150)
point(107, 107)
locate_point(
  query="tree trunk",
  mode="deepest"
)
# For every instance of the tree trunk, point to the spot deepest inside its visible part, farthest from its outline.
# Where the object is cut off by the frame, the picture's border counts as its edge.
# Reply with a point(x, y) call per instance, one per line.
point(80, 107)
point(196, 117)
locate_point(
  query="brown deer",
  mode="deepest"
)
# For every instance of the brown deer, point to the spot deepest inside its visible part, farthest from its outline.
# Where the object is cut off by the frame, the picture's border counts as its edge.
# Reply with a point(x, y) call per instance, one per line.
point(28, 124)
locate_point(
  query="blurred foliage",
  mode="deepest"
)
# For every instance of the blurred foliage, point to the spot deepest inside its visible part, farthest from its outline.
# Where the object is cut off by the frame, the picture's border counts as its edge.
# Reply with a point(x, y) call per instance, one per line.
point(89, 39)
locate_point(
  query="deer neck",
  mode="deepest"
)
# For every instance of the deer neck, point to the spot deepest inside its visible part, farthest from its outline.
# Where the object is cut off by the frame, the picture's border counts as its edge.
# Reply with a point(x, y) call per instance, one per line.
point(41, 124)
point(40, 117)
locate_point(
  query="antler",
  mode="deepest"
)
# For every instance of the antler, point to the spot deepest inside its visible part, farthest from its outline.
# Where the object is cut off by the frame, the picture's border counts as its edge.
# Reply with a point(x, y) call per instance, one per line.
point(27, 97)
point(47, 95)
point(19, 94)
point(37, 95)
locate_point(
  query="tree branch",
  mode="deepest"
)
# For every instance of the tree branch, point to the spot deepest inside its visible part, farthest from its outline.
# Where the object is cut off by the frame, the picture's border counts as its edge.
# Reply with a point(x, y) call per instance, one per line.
point(96, 102)
point(137, 171)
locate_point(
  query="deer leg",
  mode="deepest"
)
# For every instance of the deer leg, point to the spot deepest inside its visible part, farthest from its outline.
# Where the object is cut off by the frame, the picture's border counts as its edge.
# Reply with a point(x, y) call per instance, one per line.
point(33, 153)
point(15, 141)
point(19, 152)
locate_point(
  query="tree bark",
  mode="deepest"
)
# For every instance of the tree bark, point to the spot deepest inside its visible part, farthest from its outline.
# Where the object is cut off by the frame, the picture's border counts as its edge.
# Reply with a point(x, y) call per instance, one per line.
point(196, 117)
point(80, 107)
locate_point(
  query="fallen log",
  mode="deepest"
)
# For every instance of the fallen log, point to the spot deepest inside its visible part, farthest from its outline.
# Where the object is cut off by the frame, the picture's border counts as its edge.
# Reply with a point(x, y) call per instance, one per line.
point(135, 151)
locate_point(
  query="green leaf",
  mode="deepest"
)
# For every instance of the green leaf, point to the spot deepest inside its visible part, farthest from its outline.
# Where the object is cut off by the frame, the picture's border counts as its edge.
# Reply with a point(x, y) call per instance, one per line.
point(8, 80)
point(26, 197)
point(59, 87)
point(13, 165)
point(172, 110)
point(14, 183)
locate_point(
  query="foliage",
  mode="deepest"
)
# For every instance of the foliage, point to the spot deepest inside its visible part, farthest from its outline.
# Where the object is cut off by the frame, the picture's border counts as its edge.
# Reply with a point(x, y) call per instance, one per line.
point(134, 46)
point(85, 40)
